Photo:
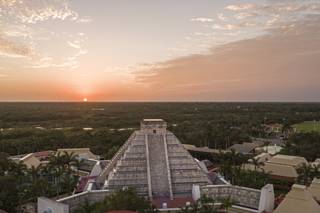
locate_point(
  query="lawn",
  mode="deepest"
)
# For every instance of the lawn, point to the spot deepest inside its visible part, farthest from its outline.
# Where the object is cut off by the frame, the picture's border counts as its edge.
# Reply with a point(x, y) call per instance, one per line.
point(308, 126)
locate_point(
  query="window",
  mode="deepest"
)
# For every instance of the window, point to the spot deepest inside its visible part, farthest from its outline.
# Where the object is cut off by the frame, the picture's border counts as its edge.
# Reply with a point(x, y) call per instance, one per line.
point(49, 210)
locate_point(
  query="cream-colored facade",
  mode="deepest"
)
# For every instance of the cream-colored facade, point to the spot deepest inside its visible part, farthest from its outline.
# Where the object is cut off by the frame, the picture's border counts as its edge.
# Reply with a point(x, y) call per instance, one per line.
point(29, 160)
point(276, 170)
point(280, 166)
point(314, 189)
point(289, 160)
point(298, 200)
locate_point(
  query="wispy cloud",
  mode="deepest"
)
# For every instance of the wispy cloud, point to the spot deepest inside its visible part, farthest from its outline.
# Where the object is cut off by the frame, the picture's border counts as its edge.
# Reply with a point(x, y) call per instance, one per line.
point(14, 49)
point(240, 7)
point(201, 19)
point(224, 27)
point(245, 15)
point(70, 62)
point(247, 20)
point(222, 17)
point(36, 10)
point(85, 20)
point(22, 33)
point(74, 45)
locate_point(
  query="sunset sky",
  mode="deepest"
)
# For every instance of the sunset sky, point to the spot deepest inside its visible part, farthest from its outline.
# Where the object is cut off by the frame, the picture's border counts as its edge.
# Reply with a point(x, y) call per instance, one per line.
point(164, 50)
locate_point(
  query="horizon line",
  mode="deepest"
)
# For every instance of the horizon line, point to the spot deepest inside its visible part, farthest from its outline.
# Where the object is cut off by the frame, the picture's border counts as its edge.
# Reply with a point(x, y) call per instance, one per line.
point(156, 101)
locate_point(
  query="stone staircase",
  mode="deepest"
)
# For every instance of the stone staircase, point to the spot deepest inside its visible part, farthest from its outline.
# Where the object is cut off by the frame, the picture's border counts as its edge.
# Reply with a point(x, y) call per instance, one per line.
point(158, 166)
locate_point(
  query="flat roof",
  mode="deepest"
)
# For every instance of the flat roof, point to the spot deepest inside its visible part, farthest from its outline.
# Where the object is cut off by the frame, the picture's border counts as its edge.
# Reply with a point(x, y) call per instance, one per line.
point(153, 120)
point(275, 169)
point(244, 147)
point(288, 160)
point(193, 148)
point(71, 149)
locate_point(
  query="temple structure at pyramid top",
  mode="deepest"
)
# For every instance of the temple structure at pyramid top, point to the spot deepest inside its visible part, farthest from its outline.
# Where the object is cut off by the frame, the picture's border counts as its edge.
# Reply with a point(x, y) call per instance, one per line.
point(155, 163)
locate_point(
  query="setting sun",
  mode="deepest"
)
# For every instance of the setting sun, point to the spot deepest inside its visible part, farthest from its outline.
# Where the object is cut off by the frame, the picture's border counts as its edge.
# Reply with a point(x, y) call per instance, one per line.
point(85, 99)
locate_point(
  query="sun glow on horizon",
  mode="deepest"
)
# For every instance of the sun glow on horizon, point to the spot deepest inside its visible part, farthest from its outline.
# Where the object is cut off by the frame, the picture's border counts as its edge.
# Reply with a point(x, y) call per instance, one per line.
point(85, 100)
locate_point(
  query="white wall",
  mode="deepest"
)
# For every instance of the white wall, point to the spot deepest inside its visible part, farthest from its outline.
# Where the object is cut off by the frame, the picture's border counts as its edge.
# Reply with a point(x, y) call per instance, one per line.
point(46, 205)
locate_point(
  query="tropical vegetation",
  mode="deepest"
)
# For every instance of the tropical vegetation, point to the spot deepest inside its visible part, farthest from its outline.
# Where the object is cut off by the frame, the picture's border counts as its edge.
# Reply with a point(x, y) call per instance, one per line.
point(31, 127)
point(307, 172)
point(126, 199)
point(104, 127)
point(303, 144)
point(21, 185)
point(209, 205)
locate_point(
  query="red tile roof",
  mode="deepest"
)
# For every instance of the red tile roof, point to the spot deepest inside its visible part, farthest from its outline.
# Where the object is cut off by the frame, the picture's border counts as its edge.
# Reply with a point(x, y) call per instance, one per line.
point(83, 182)
point(43, 154)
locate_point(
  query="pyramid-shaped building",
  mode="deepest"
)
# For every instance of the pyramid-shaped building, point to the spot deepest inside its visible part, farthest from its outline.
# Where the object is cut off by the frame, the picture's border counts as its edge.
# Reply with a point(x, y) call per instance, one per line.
point(155, 163)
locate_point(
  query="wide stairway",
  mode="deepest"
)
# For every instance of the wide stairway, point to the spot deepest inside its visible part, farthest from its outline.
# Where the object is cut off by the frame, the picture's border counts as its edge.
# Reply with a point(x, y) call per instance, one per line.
point(158, 166)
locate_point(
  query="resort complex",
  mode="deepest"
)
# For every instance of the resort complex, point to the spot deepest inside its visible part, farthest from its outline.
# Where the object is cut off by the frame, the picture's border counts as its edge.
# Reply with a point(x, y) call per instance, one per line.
point(159, 168)
point(162, 170)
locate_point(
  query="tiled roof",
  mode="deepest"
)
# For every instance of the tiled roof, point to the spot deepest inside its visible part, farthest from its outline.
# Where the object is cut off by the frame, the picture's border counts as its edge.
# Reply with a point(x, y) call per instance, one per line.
point(288, 160)
point(43, 154)
point(244, 148)
point(275, 169)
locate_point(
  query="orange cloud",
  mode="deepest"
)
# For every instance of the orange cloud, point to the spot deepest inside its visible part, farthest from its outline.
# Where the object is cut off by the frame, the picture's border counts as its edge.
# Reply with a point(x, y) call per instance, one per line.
point(281, 65)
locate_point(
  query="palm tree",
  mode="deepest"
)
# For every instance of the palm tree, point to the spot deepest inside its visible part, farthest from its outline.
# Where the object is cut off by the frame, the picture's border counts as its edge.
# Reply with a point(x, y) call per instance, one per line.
point(60, 166)
point(77, 164)
point(68, 182)
point(230, 161)
point(233, 156)
point(286, 129)
point(56, 160)
point(18, 169)
point(305, 174)
point(236, 174)
point(226, 170)
point(5, 163)
point(236, 158)
point(34, 173)
point(316, 171)
point(207, 134)
point(34, 190)
point(69, 159)
point(256, 162)
point(56, 170)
